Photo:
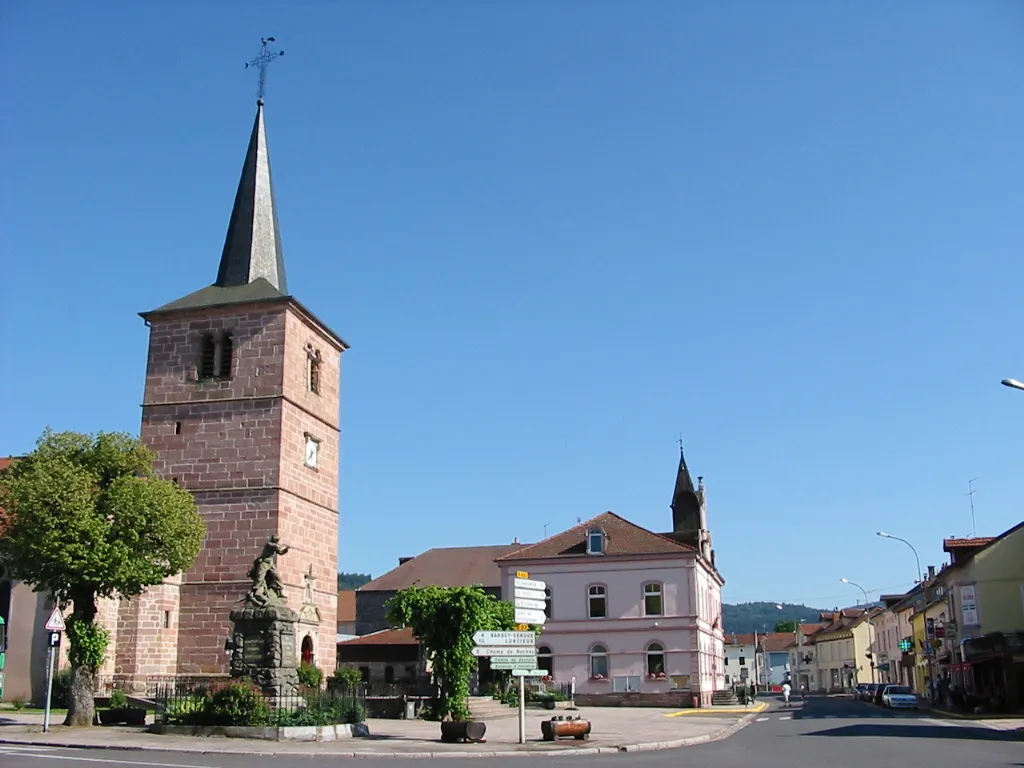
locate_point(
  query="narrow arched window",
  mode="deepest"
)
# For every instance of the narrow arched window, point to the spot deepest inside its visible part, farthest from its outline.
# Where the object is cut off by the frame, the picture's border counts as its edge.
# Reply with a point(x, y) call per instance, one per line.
point(599, 662)
point(656, 660)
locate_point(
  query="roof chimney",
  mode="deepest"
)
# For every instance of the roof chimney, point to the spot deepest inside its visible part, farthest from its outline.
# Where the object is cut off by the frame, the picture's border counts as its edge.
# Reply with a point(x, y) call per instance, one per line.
point(931, 572)
point(515, 540)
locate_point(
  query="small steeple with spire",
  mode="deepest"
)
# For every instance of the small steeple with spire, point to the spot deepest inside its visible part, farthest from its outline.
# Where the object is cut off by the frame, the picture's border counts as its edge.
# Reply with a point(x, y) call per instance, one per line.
point(687, 505)
point(252, 261)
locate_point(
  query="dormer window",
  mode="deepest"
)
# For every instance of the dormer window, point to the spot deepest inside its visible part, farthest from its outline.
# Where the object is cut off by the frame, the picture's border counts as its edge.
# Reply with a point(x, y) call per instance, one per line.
point(595, 542)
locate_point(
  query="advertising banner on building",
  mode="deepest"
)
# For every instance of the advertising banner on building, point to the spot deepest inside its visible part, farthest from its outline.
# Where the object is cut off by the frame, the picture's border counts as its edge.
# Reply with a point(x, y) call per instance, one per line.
point(968, 606)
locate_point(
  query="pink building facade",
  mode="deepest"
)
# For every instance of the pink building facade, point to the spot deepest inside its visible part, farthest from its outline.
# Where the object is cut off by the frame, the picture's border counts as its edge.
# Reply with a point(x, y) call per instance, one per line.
point(634, 617)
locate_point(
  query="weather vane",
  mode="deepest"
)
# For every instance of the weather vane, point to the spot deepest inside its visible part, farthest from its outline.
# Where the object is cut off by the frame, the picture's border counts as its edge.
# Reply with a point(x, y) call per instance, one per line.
point(262, 61)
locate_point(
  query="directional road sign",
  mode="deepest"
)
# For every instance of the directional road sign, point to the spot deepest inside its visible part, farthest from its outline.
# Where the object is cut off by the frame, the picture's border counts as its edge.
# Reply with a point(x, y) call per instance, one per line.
point(526, 662)
point(530, 594)
point(529, 584)
point(529, 616)
point(529, 673)
point(503, 650)
point(505, 638)
point(539, 605)
point(56, 621)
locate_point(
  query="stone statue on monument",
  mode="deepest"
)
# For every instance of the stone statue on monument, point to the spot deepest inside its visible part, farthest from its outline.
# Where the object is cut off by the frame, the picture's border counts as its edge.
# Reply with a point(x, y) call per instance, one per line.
point(267, 587)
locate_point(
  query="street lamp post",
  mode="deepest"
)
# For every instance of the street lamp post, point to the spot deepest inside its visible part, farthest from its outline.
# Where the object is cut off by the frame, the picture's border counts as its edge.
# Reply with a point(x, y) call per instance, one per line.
point(871, 627)
point(1013, 384)
point(885, 535)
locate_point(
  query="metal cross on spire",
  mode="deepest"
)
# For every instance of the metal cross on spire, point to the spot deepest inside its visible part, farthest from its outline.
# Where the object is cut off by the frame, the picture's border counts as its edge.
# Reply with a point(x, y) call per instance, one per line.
point(262, 61)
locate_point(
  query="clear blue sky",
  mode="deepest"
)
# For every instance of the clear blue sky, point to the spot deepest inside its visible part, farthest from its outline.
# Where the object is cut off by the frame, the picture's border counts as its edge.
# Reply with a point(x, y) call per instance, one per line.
point(558, 235)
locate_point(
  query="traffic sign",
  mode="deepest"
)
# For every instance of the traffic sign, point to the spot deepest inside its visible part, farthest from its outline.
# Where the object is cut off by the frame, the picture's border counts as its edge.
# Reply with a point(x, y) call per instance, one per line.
point(522, 574)
point(505, 638)
point(521, 602)
point(56, 621)
point(55, 640)
point(523, 627)
point(530, 594)
point(529, 673)
point(525, 662)
point(503, 650)
point(529, 584)
point(529, 616)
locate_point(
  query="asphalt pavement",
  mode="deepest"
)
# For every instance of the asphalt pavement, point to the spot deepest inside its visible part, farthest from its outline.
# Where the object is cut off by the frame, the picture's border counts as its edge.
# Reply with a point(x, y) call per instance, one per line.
point(837, 733)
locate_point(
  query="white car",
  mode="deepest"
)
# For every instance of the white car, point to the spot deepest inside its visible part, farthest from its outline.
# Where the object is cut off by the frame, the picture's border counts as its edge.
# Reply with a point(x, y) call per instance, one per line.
point(899, 697)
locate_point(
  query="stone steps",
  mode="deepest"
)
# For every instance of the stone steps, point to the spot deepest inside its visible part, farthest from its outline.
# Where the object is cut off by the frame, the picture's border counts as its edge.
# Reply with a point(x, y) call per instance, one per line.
point(724, 699)
point(485, 708)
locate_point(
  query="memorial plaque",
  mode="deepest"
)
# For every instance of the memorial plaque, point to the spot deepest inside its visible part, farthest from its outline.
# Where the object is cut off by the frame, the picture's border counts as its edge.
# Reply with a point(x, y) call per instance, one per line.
point(252, 650)
point(288, 649)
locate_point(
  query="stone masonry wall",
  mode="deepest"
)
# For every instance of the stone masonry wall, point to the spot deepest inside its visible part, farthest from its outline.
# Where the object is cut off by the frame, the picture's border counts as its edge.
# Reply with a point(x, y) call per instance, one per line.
point(309, 497)
point(147, 631)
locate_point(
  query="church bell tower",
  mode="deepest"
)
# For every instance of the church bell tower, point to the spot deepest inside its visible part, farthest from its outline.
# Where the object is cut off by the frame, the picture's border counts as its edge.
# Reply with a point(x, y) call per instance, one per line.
point(242, 408)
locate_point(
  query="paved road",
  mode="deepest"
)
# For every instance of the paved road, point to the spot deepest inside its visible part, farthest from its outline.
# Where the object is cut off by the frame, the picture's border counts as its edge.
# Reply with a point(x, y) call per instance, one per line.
point(834, 733)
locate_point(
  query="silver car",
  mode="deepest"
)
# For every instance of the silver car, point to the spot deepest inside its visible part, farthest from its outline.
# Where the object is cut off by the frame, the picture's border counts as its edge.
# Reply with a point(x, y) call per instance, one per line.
point(899, 697)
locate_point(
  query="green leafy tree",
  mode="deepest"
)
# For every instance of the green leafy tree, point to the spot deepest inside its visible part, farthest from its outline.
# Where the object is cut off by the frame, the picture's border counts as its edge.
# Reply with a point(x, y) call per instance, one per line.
point(84, 518)
point(444, 620)
point(786, 625)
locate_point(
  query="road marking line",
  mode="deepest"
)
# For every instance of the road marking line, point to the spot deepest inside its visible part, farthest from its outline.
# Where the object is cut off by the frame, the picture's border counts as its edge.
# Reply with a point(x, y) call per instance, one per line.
point(47, 756)
point(786, 717)
point(24, 748)
point(763, 719)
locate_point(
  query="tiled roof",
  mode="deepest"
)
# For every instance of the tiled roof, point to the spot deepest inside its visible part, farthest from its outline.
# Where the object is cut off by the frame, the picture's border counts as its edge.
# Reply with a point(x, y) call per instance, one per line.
point(981, 541)
point(445, 567)
point(623, 539)
point(347, 605)
point(401, 636)
point(6, 461)
point(778, 641)
point(811, 629)
point(739, 639)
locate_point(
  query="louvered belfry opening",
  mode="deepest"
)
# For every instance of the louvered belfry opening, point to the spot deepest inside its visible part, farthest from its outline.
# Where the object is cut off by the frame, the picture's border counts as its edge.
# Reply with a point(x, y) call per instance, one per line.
point(215, 355)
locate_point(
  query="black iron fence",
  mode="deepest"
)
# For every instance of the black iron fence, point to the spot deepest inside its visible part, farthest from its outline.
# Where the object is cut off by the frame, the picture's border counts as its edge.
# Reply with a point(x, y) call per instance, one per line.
point(208, 700)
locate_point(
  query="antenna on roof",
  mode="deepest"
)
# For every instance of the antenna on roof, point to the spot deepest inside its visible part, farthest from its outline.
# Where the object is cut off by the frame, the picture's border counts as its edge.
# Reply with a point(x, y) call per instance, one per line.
point(970, 495)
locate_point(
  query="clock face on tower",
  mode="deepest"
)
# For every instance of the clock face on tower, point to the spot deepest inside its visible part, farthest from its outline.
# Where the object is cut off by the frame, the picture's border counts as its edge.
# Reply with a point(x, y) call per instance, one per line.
point(312, 452)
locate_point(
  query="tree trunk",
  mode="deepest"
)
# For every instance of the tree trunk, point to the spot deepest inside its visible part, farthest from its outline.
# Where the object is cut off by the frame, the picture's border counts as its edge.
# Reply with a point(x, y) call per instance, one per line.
point(81, 707)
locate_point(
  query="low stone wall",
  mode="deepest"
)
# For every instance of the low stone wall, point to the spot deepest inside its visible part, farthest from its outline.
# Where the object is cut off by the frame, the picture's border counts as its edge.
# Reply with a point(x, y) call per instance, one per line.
point(669, 699)
point(268, 733)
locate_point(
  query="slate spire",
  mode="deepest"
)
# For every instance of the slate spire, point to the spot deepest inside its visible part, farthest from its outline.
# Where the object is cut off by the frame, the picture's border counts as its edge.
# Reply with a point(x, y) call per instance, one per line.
point(686, 501)
point(252, 248)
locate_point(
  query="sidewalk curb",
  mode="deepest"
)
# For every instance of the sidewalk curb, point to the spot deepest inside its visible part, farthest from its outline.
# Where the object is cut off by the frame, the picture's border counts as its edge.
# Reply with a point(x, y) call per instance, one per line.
point(653, 746)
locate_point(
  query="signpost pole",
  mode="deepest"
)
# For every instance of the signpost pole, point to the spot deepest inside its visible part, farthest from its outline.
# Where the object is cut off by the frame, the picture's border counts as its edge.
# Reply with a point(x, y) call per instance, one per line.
point(49, 689)
point(522, 709)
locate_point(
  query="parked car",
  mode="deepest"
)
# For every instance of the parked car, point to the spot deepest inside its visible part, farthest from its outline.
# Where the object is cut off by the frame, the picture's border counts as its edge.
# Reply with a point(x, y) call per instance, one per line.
point(877, 698)
point(899, 697)
point(859, 691)
point(867, 691)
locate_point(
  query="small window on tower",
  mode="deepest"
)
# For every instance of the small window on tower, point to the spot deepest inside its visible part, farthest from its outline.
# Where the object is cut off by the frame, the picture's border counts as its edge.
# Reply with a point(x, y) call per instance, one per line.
point(167, 619)
point(207, 356)
point(313, 370)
